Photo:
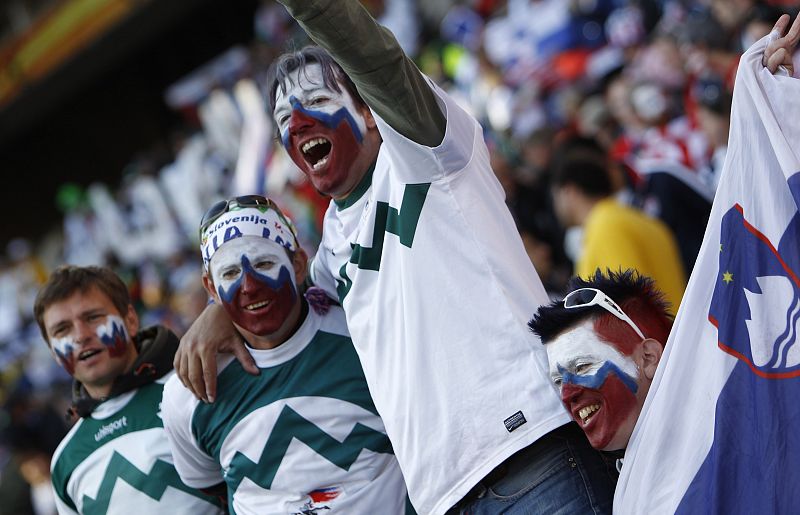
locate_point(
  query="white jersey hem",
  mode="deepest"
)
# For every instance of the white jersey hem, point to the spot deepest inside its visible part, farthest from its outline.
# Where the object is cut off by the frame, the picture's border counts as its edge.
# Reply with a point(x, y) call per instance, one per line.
point(463, 487)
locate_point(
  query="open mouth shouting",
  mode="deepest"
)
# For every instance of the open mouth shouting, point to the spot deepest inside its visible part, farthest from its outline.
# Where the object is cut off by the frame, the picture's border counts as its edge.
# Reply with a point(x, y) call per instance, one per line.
point(316, 152)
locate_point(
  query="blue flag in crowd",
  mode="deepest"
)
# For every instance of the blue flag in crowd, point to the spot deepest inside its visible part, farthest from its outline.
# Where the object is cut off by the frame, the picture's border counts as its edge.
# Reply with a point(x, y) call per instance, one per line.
point(718, 432)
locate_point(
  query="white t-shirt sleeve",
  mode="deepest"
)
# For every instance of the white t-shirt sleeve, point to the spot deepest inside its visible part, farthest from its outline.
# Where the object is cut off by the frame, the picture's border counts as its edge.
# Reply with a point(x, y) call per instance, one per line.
point(196, 468)
point(321, 275)
point(422, 164)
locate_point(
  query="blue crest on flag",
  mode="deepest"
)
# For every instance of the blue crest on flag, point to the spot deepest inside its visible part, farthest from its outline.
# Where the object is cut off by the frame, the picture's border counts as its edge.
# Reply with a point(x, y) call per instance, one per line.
point(752, 465)
point(756, 302)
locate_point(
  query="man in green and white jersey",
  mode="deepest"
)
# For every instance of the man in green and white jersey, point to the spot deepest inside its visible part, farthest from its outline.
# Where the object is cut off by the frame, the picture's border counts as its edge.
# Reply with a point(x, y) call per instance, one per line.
point(116, 458)
point(302, 436)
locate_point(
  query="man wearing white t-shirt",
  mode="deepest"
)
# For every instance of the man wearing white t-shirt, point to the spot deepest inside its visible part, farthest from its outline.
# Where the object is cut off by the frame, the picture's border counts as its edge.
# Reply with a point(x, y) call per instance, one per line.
point(422, 253)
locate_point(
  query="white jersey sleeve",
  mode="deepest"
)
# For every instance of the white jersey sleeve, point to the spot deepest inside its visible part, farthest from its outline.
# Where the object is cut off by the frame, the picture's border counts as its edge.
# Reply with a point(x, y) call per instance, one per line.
point(320, 275)
point(421, 164)
point(195, 467)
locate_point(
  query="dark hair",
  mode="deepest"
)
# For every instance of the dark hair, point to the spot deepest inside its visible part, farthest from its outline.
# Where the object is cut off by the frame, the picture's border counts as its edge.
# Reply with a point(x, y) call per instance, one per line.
point(68, 279)
point(710, 93)
point(586, 173)
point(636, 294)
point(332, 73)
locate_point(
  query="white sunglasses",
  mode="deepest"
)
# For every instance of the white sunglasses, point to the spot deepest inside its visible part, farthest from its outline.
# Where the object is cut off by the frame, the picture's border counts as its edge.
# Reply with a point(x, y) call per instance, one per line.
point(585, 297)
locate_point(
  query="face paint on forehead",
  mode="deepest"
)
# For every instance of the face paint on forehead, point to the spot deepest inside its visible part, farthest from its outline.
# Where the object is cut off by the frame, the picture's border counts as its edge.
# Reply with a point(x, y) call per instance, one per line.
point(307, 95)
point(114, 335)
point(253, 248)
point(582, 342)
point(64, 350)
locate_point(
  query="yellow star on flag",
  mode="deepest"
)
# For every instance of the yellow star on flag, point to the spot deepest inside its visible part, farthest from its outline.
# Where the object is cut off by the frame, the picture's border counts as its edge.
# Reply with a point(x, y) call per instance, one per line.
point(727, 277)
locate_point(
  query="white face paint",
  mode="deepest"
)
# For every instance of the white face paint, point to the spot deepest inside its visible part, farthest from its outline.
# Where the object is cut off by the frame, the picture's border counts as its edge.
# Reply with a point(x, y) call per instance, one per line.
point(306, 85)
point(64, 347)
point(580, 351)
point(265, 257)
point(114, 335)
point(112, 327)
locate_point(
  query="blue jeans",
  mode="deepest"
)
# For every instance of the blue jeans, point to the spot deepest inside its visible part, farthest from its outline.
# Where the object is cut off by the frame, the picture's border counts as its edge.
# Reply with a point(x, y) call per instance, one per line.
point(558, 474)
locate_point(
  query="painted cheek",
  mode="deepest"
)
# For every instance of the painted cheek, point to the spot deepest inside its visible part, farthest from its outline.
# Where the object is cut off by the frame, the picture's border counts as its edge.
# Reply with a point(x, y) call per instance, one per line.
point(114, 335)
point(65, 356)
point(618, 405)
point(612, 389)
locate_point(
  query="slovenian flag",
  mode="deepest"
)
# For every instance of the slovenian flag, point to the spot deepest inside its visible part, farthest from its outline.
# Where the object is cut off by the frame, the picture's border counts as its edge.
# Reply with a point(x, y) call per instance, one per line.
point(720, 429)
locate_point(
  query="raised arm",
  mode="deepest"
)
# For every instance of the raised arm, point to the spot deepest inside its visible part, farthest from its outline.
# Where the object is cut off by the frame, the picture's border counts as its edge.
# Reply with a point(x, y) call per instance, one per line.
point(386, 78)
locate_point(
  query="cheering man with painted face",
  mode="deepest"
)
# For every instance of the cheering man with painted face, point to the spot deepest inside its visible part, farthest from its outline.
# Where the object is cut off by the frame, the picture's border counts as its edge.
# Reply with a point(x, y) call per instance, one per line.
point(604, 342)
point(303, 435)
point(116, 457)
point(423, 254)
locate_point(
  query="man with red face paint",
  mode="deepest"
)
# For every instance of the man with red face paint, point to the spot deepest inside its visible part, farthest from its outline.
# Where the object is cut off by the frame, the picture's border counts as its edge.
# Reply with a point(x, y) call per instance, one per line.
point(303, 435)
point(421, 251)
point(604, 342)
point(116, 456)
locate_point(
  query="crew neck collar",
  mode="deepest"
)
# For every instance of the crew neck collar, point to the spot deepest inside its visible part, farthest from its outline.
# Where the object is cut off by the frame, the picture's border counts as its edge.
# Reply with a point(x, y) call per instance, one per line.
point(358, 191)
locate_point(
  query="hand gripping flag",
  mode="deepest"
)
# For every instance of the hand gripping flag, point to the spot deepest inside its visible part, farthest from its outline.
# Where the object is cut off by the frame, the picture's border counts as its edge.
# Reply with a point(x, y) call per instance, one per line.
point(720, 429)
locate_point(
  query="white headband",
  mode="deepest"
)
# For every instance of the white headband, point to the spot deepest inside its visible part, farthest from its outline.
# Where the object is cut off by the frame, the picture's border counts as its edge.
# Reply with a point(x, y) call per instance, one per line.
point(267, 223)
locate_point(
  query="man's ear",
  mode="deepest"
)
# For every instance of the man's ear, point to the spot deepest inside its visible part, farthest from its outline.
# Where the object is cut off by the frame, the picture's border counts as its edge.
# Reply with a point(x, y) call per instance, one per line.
point(131, 321)
point(368, 118)
point(300, 265)
point(208, 284)
point(651, 356)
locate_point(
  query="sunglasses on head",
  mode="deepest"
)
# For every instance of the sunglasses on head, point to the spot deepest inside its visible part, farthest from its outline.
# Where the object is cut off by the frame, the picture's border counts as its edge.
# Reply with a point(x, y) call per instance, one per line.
point(586, 297)
point(242, 202)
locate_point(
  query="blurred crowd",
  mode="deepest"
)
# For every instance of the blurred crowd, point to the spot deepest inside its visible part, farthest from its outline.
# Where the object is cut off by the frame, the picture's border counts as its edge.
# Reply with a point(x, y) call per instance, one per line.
point(638, 90)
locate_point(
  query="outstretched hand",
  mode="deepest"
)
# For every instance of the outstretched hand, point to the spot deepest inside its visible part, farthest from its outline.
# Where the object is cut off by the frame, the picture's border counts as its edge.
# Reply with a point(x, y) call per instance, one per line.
point(196, 360)
point(781, 47)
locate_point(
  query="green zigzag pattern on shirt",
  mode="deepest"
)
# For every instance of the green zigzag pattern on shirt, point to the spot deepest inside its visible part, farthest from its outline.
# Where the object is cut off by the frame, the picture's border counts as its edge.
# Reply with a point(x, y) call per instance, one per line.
point(291, 425)
point(401, 223)
point(153, 484)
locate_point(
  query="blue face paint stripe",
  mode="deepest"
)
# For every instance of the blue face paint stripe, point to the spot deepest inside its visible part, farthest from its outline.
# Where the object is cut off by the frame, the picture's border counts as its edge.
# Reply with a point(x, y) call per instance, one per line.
point(329, 120)
point(284, 276)
point(596, 380)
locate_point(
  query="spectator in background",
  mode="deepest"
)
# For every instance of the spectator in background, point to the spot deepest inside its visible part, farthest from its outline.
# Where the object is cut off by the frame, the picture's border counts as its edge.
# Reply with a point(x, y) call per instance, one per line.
point(86, 317)
point(713, 116)
point(614, 236)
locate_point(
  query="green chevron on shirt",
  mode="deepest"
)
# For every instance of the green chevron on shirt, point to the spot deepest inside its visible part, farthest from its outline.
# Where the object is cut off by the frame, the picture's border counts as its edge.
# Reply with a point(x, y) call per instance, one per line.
point(152, 484)
point(388, 219)
point(291, 425)
point(327, 367)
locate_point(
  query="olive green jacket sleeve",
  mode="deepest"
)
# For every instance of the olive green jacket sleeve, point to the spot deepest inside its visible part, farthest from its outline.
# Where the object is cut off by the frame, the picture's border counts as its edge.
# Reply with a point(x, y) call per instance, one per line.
point(386, 78)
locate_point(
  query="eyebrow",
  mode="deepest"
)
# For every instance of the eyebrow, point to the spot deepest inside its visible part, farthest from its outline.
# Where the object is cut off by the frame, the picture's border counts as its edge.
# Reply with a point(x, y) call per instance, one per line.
point(66, 322)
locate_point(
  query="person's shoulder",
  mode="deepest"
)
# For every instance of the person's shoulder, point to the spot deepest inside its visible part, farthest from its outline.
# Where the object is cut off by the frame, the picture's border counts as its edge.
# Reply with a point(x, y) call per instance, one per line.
point(175, 393)
point(609, 210)
point(66, 443)
point(334, 321)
